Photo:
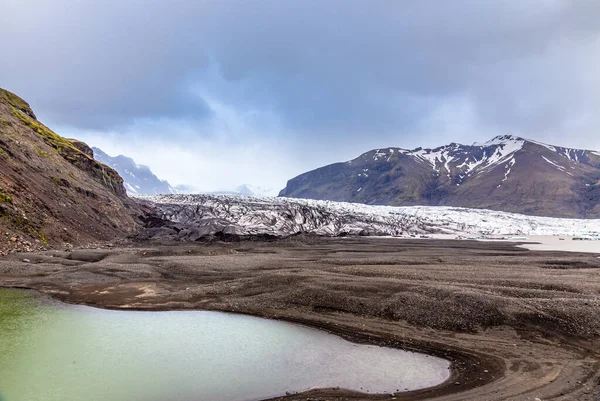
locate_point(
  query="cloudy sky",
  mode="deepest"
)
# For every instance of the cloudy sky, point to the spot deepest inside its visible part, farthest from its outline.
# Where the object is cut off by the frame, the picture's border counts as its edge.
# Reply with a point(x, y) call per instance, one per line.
point(220, 93)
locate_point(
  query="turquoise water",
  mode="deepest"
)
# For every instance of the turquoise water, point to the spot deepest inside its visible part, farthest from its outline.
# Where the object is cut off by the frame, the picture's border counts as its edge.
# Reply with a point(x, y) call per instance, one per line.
point(56, 352)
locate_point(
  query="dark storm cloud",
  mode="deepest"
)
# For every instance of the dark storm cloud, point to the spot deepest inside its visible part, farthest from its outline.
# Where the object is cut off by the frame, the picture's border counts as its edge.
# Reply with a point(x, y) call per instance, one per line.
point(101, 63)
point(387, 65)
point(344, 68)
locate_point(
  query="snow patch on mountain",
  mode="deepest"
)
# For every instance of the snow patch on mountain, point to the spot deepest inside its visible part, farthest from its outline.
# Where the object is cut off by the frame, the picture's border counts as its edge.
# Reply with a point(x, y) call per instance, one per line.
point(494, 152)
point(508, 168)
point(558, 166)
point(435, 157)
point(505, 148)
point(138, 179)
point(571, 154)
point(207, 214)
point(380, 155)
point(549, 147)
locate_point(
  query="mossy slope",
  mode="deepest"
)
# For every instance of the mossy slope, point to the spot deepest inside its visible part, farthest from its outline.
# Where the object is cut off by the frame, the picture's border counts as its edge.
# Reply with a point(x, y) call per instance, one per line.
point(51, 188)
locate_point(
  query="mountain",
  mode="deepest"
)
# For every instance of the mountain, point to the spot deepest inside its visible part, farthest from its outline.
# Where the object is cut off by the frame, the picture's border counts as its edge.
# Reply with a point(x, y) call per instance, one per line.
point(192, 217)
point(139, 179)
point(507, 173)
point(246, 190)
point(51, 188)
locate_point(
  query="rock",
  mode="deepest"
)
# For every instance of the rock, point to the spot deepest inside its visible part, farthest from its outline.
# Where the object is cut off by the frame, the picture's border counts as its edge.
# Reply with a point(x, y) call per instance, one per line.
point(26, 260)
point(90, 256)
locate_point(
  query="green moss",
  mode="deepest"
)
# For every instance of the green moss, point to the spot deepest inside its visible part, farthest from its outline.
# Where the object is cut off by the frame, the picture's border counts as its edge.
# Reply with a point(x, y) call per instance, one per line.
point(5, 197)
point(82, 146)
point(4, 153)
point(16, 102)
point(4, 122)
point(43, 238)
point(63, 146)
point(41, 151)
point(61, 182)
point(19, 222)
point(69, 150)
point(23, 225)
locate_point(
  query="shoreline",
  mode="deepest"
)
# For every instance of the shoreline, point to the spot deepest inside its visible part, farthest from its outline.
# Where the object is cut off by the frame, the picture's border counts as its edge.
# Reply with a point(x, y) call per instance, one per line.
point(463, 365)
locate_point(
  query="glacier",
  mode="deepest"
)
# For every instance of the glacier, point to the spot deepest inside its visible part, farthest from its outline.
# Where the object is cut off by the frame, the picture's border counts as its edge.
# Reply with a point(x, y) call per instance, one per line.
point(195, 216)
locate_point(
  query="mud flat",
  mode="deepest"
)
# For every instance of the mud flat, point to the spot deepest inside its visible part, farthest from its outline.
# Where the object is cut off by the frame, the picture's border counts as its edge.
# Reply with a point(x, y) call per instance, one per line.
point(515, 324)
point(562, 243)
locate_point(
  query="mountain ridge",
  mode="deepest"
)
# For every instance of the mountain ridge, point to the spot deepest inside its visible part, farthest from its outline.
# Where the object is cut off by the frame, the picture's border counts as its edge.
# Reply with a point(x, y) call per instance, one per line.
point(507, 173)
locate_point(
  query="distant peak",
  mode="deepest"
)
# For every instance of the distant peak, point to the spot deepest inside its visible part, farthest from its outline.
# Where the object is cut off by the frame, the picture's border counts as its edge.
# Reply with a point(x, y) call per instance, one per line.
point(500, 140)
point(507, 137)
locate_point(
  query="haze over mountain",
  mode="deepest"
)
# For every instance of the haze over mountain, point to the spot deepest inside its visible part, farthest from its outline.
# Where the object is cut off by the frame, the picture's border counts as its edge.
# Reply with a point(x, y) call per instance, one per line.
point(138, 179)
point(248, 190)
point(506, 173)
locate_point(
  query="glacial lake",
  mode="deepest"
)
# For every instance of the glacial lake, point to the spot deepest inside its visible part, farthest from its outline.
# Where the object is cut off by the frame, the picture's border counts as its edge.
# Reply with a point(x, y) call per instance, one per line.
point(55, 352)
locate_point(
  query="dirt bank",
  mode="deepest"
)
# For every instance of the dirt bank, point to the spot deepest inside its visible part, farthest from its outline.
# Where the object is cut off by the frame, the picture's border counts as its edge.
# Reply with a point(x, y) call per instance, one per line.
point(517, 324)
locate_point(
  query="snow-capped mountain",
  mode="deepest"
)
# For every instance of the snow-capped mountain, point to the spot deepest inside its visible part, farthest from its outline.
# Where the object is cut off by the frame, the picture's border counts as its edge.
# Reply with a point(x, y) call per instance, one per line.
point(507, 173)
point(194, 216)
point(138, 179)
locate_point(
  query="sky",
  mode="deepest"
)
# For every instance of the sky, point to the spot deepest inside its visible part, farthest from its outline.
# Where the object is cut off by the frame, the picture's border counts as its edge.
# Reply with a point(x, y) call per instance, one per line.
point(216, 94)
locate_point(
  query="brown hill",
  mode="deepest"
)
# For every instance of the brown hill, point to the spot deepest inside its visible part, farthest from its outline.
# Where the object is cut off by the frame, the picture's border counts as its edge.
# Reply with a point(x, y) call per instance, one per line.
point(507, 173)
point(52, 191)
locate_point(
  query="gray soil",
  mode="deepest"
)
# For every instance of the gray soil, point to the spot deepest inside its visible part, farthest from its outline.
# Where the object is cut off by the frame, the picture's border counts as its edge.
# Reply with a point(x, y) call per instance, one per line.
point(516, 324)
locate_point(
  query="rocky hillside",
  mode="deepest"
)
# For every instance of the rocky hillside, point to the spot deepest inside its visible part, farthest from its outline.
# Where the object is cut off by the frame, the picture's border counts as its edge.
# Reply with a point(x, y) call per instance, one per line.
point(507, 173)
point(138, 179)
point(52, 191)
